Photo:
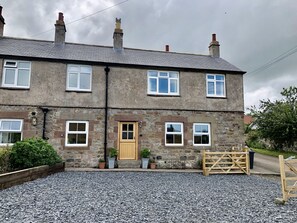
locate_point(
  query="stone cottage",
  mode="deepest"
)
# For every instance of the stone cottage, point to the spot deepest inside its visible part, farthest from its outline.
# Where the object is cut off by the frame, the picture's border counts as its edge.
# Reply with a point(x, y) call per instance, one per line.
point(85, 99)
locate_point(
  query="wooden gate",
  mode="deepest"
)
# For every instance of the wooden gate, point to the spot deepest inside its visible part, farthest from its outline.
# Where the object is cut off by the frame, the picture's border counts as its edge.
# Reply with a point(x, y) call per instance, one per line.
point(225, 162)
point(289, 184)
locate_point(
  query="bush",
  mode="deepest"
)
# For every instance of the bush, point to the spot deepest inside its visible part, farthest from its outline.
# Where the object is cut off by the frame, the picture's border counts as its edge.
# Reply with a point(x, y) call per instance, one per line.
point(33, 152)
point(145, 153)
point(4, 159)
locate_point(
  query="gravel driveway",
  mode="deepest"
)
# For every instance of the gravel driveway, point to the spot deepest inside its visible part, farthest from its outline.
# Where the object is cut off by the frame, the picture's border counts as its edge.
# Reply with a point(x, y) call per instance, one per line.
point(145, 197)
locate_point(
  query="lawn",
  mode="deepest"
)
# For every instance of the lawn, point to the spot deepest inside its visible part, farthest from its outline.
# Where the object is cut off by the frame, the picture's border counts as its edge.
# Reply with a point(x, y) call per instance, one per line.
point(275, 153)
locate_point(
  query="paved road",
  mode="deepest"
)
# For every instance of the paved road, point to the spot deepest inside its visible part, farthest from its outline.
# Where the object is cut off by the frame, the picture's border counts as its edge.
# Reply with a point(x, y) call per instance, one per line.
point(265, 164)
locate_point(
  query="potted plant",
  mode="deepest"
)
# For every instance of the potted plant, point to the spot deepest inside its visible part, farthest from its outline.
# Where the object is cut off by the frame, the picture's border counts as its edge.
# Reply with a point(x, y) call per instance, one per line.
point(113, 152)
point(145, 154)
point(153, 164)
point(102, 163)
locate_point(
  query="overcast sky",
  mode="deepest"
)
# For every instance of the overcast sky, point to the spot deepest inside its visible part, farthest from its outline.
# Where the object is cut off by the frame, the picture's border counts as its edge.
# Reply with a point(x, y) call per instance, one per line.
point(251, 32)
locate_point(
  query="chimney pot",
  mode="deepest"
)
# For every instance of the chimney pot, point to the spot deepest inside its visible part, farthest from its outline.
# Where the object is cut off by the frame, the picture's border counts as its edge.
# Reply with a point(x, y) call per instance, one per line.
point(214, 38)
point(61, 17)
point(167, 48)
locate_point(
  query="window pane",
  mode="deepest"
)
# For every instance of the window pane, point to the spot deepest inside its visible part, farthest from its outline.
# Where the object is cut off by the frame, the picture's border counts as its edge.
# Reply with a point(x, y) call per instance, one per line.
point(124, 135)
point(210, 88)
point(220, 88)
point(220, 77)
point(81, 126)
point(85, 69)
point(173, 128)
point(4, 137)
point(9, 76)
point(169, 139)
point(81, 138)
point(152, 84)
point(163, 74)
point(173, 74)
point(15, 125)
point(125, 128)
point(198, 139)
point(205, 139)
point(72, 81)
point(201, 128)
point(10, 63)
point(73, 69)
point(23, 78)
point(72, 126)
point(153, 74)
point(71, 138)
point(210, 77)
point(130, 135)
point(130, 127)
point(177, 139)
point(85, 81)
point(5, 125)
point(163, 85)
point(173, 86)
point(24, 65)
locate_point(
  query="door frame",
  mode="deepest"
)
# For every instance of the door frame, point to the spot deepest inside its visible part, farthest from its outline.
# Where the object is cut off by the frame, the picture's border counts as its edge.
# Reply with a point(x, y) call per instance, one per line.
point(136, 135)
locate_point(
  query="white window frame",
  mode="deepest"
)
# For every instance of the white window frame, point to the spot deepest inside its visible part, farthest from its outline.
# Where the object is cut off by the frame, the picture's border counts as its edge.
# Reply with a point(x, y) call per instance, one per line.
point(201, 134)
point(175, 133)
point(16, 68)
point(13, 131)
point(158, 78)
point(214, 81)
point(78, 87)
point(86, 132)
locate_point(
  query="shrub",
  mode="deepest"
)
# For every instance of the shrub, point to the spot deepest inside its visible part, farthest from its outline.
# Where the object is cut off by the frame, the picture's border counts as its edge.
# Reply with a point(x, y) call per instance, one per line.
point(113, 152)
point(4, 159)
point(145, 153)
point(33, 152)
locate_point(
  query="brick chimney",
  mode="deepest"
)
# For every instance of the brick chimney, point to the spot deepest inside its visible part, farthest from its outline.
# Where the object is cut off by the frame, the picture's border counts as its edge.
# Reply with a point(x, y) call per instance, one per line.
point(214, 47)
point(118, 36)
point(60, 30)
point(2, 22)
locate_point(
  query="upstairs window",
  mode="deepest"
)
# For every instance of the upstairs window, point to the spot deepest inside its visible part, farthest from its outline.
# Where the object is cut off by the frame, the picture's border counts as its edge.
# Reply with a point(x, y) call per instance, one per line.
point(79, 78)
point(174, 134)
point(216, 85)
point(201, 134)
point(10, 131)
point(16, 74)
point(77, 133)
point(163, 83)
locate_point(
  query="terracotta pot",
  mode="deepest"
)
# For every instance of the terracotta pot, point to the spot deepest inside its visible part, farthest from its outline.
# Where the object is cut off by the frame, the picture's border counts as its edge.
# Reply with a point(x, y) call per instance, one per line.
point(101, 165)
point(153, 165)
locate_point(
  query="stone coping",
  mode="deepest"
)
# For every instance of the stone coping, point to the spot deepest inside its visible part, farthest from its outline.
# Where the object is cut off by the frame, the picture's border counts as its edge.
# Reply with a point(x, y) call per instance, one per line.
point(18, 177)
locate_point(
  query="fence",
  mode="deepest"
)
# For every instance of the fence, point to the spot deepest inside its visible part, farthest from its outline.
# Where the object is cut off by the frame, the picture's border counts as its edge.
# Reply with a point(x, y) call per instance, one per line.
point(225, 162)
point(289, 184)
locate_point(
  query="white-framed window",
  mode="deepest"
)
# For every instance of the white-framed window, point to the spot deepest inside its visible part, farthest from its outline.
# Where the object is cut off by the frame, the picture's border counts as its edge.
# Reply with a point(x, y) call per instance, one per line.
point(163, 82)
point(79, 78)
point(174, 134)
point(16, 74)
point(10, 131)
point(77, 133)
point(201, 134)
point(215, 85)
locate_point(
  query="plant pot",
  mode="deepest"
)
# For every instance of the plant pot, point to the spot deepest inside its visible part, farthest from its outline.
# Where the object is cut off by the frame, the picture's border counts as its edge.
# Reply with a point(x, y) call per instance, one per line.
point(153, 165)
point(144, 163)
point(102, 165)
point(111, 161)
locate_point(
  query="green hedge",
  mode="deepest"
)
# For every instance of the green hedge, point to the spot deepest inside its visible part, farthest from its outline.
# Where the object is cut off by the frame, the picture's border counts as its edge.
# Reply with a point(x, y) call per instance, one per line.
point(4, 159)
point(33, 152)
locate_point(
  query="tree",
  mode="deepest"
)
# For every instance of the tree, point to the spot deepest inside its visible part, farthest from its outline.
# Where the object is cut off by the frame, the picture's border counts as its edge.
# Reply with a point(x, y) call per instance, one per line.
point(277, 121)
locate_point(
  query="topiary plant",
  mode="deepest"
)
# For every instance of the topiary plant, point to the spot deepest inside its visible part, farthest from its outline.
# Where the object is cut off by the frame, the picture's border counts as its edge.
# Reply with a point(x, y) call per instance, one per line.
point(33, 152)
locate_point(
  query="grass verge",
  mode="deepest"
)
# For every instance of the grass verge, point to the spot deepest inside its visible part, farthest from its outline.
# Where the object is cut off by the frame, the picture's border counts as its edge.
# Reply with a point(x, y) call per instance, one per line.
point(275, 153)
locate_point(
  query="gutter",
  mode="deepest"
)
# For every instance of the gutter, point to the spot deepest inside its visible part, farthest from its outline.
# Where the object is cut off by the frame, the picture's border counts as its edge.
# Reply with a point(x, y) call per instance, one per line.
point(106, 69)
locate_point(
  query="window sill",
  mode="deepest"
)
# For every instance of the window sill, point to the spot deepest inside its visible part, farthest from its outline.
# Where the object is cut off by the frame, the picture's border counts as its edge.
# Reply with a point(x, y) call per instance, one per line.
point(162, 95)
point(216, 97)
point(16, 88)
point(174, 145)
point(78, 91)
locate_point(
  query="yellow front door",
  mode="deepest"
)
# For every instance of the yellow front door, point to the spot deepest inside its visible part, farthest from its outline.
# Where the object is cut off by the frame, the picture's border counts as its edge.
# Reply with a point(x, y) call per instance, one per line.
point(128, 132)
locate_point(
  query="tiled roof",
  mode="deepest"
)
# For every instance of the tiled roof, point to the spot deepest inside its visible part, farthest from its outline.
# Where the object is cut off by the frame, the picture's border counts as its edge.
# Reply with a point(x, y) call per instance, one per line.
point(102, 54)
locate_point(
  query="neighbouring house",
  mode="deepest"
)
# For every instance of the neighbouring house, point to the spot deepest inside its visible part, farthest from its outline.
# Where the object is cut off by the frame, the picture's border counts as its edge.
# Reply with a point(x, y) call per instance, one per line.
point(85, 99)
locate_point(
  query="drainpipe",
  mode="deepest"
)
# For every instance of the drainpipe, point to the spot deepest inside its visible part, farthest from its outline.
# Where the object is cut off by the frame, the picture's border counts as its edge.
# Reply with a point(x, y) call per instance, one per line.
point(106, 69)
point(45, 111)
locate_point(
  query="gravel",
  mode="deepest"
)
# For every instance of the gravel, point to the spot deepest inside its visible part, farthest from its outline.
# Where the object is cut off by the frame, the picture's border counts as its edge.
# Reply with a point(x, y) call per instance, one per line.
point(145, 197)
